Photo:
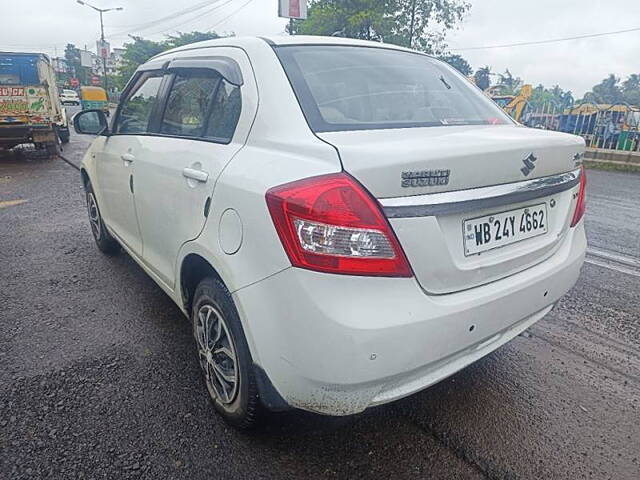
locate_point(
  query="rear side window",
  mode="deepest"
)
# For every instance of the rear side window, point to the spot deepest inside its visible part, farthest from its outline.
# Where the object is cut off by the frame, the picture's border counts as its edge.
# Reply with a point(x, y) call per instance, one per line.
point(201, 104)
point(225, 113)
point(358, 88)
point(188, 104)
point(136, 110)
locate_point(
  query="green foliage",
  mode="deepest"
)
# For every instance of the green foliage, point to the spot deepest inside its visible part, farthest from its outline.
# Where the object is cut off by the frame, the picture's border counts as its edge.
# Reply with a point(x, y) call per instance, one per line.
point(551, 97)
point(459, 63)
point(482, 77)
point(419, 24)
point(72, 56)
point(365, 19)
point(139, 50)
point(181, 38)
point(509, 85)
point(422, 24)
point(607, 91)
point(136, 53)
point(611, 91)
point(631, 89)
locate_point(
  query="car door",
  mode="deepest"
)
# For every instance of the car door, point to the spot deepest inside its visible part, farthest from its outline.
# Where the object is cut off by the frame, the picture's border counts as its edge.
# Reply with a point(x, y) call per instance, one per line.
point(116, 162)
point(207, 111)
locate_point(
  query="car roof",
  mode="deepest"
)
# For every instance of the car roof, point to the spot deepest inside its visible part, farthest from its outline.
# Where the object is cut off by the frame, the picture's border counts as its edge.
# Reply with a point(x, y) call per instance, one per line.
point(320, 40)
point(281, 40)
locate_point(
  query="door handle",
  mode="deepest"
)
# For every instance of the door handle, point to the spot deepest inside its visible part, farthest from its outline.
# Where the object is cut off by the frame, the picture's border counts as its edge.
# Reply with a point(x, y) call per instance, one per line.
point(127, 158)
point(194, 174)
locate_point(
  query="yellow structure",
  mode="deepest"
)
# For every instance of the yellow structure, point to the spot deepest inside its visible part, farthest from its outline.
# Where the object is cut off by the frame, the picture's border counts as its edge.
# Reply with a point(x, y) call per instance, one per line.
point(514, 105)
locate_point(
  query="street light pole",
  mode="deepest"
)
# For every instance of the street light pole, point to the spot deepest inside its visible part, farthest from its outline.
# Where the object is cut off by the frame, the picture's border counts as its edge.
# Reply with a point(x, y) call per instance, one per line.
point(104, 57)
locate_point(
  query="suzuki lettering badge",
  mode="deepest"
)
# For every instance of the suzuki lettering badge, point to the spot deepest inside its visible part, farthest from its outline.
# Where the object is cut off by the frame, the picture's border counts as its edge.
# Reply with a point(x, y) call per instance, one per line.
point(425, 178)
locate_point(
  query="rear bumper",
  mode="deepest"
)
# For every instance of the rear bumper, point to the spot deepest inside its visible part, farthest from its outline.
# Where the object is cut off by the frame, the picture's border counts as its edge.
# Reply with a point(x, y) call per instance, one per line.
point(14, 134)
point(338, 344)
point(11, 133)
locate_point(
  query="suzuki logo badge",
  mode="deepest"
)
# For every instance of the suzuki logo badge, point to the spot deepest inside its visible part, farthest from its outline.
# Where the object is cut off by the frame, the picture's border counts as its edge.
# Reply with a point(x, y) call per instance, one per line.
point(529, 164)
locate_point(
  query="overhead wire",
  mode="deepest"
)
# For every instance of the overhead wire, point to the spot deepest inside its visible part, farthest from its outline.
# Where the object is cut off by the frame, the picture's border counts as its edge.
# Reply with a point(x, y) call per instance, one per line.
point(553, 40)
point(153, 23)
point(200, 15)
point(197, 18)
point(231, 14)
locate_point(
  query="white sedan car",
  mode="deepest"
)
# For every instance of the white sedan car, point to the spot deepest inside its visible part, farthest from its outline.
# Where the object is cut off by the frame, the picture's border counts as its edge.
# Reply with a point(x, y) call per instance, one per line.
point(69, 97)
point(344, 222)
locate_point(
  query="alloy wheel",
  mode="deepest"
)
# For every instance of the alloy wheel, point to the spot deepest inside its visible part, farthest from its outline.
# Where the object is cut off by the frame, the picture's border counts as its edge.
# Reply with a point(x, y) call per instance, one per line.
point(94, 215)
point(217, 354)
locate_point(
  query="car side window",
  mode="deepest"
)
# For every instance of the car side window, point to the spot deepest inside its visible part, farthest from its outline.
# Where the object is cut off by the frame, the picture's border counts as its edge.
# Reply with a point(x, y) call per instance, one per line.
point(225, 113)
point(188, 103)
point(136, 110)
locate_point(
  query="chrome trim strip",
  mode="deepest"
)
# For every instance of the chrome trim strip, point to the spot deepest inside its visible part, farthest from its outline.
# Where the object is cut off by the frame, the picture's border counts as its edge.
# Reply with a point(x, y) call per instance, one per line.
point(473, 199)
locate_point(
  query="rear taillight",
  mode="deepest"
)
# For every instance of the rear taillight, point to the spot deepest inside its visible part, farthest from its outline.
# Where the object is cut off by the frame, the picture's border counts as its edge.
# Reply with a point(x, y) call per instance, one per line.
point(332, 224)
point(581, 203)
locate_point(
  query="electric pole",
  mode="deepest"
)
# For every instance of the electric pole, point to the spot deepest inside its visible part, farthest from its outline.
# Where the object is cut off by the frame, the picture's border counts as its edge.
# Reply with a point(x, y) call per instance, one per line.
point(103, 53)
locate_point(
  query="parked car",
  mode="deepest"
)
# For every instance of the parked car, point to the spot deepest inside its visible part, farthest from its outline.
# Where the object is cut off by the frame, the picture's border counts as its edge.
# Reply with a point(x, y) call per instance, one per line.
point(344, 222)
point(69, 97)
point(30, 110)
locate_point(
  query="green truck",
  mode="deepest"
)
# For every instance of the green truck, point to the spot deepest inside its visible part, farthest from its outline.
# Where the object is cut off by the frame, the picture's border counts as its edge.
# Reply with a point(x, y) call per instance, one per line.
point(30, 109)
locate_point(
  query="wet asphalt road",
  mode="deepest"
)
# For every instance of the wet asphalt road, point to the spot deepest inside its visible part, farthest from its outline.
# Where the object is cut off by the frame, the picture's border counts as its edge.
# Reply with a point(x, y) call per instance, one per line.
point(98, 378)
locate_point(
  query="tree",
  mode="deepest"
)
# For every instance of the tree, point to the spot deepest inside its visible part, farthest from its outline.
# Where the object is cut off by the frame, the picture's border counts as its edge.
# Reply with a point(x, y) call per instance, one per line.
point(611, 91)
point(364, 19)
point(509, 85)
point(550, 98)
point(140, 50)
point(181, 38)
point(72, 57)
point(419, 24)
point(482, 77)
point(415, 21)
point(608, 91)
point(135, 54)
point(459, 63)
point(631, 89)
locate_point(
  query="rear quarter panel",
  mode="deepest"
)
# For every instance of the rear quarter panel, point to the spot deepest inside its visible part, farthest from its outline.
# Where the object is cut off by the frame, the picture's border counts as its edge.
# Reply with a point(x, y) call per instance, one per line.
point(280, 148)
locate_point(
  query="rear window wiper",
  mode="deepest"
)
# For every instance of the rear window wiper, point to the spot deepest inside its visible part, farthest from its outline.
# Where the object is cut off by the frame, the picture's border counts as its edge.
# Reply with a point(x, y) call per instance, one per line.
point(445, 82)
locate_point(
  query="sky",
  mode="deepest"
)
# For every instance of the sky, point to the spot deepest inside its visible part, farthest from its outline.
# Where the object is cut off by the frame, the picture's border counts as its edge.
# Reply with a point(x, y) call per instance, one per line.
point(48, 25)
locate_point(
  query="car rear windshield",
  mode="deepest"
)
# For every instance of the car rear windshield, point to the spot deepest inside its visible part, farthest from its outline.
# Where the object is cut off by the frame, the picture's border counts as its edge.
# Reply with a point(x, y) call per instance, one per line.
point(361, 88)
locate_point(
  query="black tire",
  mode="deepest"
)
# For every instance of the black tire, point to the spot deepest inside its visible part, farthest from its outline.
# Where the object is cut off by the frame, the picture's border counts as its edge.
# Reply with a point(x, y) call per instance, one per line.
point(242, 410)
point(52, 149)
point(64, 135)
point(105, 242)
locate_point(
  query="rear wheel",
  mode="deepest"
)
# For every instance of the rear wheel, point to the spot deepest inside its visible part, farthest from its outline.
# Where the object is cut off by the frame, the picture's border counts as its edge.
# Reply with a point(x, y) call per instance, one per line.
point(64, 135)
point(52, 149)
point(224, 355)
point(105, 242)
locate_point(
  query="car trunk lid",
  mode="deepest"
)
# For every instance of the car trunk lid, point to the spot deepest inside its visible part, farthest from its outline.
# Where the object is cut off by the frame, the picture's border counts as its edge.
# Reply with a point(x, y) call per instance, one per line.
point(413, 167)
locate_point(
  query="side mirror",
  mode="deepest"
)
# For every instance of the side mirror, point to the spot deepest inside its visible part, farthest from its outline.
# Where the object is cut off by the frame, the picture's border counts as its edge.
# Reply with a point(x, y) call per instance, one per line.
point(91, 122)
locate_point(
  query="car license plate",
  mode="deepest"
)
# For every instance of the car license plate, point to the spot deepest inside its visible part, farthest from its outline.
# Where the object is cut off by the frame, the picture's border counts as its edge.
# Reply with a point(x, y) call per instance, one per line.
point(500, 229)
